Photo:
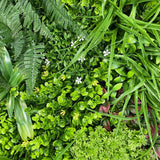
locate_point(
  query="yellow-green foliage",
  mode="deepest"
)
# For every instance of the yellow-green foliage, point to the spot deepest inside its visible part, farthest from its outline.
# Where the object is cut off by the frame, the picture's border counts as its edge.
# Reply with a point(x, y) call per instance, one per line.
point(100, 144)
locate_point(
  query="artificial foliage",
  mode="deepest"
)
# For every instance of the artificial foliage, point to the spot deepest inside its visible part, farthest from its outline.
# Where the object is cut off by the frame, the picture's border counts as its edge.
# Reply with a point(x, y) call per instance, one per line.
point(79, 65)
point(99, 144)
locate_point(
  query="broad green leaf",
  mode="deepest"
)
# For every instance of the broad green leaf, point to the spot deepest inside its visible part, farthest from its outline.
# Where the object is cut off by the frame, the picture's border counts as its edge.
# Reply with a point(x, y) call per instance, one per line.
point(10, 105)
point(120, 71)
point(3, 93)
point(5, 63)
point(23, 120)
point(4, 87)
point(119, 79)
point(16, 78)
point(117, 87)
point(130, 74)
point(158, 60)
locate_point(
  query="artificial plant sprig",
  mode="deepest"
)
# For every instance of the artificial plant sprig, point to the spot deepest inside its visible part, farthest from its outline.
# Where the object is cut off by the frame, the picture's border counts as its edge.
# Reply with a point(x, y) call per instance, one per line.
point(12, 77)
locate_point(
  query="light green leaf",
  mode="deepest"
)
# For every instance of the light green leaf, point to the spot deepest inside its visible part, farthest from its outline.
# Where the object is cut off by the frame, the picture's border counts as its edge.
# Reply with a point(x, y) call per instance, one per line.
point(16, 78)
point(23, 120)
point(117, 87)
point(5, 63)
point(10, 105)
point(130, 74)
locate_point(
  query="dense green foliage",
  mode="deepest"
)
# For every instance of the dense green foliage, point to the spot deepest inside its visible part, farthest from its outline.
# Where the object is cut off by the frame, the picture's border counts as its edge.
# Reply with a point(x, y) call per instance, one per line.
point(101, 144)
point(84, 64)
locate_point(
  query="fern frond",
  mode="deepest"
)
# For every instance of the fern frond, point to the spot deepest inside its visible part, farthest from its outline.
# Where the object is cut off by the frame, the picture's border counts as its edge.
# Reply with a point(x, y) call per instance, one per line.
point(10, 21)
point(32, 18)
point(32, 61)
point(59, 13)
point(5, 33)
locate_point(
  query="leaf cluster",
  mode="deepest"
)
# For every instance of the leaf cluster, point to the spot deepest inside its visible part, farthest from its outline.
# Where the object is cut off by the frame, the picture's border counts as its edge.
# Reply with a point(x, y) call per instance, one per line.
point(100, 144)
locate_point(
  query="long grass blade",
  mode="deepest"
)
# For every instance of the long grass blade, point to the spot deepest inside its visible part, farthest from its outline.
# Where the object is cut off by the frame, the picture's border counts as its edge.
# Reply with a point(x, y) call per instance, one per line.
point(145, 112)
point(136, 109)
point(113, 116)
point(131, 90)
point(111, 60)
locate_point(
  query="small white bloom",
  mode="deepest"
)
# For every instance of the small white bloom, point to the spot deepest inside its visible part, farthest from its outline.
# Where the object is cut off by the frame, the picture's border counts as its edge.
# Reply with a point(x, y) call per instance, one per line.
point(80, 39)
point(47, 62)
point(105, 53)
point(72, 43)
point(81, 59)
point(79, 80)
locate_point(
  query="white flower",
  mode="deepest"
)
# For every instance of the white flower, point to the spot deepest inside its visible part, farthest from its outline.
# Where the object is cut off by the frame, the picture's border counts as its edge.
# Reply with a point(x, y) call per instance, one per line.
point(80, 39)
point(105, 53)
point(79, 80)
point(81, 59)
point(47, 62)
point(72, 43)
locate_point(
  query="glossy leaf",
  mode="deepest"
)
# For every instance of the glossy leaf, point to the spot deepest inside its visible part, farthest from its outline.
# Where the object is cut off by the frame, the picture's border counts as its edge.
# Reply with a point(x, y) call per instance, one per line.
point(117, 86)
point(16, 78)
point(10, 105)
point(5, 63)
point(23, 120)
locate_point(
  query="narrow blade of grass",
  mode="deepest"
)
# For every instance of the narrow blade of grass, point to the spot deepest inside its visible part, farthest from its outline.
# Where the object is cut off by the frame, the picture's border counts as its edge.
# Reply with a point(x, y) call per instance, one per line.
point(113, 116)
point(123, 110)
point(136, 108)
point(145, 112)
point(128, 92)
point(111, 60)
